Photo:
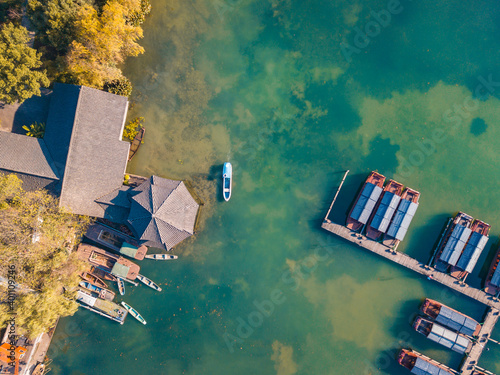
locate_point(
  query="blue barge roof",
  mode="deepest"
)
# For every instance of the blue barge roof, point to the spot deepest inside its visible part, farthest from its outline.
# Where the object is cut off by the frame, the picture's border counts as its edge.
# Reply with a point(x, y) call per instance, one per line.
point(423, 367)
point(495, 279)
point(455, 244)
point(385, 211)
point(473, 250)
point(456, 321)
point(366, 203)
point(449, 339)
point(402, 219)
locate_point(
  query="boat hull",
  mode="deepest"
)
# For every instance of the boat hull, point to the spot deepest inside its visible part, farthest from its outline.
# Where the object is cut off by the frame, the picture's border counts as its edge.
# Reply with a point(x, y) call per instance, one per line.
point(227, 181)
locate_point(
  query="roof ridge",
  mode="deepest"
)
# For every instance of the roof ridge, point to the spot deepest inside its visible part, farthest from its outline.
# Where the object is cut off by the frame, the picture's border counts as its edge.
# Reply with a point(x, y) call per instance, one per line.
point(73, 135)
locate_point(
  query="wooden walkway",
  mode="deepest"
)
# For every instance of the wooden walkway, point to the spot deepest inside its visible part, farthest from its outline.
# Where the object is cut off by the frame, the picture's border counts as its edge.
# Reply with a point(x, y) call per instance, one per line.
point(470, 361)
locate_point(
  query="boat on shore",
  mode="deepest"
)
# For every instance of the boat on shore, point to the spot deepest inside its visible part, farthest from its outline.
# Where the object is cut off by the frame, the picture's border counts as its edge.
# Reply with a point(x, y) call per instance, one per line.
point(161, 256)
point(111, 239)
point(121, 286)
point(420, 364)
point(402, 218)
point(227, 180)
point(441, 335)
point(148, 282)
point(91, 278)
point(101, 292)
point(365, 201)
point(492, 283)
point(133, 312)
point(473, 249)
point(450, 318)
point(136, 143)
point(453, 242)
point(384, 210)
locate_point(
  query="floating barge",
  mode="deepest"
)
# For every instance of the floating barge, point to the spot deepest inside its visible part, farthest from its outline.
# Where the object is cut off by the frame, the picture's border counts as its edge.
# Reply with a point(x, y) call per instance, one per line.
point(450, 318)
point(402, 218)
point(366, 201)
point(385, 209)
point(441, 335)
point(108, 262)
point(97, 291)
point(105, 308)
point(492, 284)
point(421, 365)
point(114, 240)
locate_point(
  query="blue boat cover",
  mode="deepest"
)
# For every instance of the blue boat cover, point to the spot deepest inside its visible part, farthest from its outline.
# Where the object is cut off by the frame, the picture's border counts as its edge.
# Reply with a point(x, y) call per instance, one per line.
point(472, 251)
point(384, 212)
point(455, 244)
point(456, 321)
point(422, 367)
point(366, 202)
point(449, 339)
point(495, 279)
point(402, 219)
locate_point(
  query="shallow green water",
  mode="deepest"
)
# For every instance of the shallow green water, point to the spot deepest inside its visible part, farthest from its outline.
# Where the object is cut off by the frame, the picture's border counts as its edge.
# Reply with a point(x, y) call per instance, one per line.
point(265, 85)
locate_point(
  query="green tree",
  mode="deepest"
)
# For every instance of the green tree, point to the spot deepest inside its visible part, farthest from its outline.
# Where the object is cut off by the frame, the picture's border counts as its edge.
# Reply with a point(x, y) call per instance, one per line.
point(47, 269)
point(121, 86)
point(19, 77)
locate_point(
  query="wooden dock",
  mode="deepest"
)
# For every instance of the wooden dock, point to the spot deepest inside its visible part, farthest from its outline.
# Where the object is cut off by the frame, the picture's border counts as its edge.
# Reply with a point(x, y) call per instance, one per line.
point(411, 263)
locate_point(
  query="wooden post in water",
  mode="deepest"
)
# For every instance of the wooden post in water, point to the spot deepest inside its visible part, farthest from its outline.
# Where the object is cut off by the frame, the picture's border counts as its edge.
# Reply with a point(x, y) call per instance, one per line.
point(335, 198)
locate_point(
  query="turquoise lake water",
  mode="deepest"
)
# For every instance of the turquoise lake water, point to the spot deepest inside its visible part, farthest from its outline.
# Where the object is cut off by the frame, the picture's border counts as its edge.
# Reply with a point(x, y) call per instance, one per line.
point(293, 95)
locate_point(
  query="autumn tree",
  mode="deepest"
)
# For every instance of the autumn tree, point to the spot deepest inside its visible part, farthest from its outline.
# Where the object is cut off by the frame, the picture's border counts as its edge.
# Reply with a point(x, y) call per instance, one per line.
point(37, 240)
point(20, 78)
point(102, 42)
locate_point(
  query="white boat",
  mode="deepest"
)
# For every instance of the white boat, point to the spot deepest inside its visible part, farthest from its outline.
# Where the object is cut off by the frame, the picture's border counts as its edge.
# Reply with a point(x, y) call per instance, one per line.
point(161, 256)
point(121, 285)
point(227, 180)
point(148, 282)
point(133, 312)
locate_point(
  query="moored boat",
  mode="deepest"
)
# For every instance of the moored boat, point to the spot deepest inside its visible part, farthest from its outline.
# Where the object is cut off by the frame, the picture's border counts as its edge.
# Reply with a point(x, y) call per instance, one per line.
point(91, 278)
point(384, 210)
point(227, 180)
point(492, 283)
point(161, 256)
point(365, 201)
point(100, 306)
point(39, 369)
point(453, 242)
point(121, 285)
point(136, 143)
point(420, 364)
point(133, 312)
point(101, 292)
point(441, 335)
point(450, 318)
point(148, 282)
point(402, 218)
point(472, 251)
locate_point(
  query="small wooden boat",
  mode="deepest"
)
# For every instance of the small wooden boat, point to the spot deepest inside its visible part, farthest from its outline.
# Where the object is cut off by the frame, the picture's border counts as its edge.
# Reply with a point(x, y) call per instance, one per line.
point(420, 364)
point(148, 282)
point(227, 180)
point(136, 143)
point(472, 251)
point(121, 285)
point(161, 256)
point(384, 210)
point(103, 275)
point(101, 292)
point(133, 312)
point(365, 201)
point(453, 242)
point(91, 278)
point(402, 218)
point(39, 369)
point(450, 318)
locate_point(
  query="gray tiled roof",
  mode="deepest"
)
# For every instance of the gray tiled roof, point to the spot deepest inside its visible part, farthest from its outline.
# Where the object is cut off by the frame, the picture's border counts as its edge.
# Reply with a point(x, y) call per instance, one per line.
point(162, 212)
point(28, 155)
point(97, 157)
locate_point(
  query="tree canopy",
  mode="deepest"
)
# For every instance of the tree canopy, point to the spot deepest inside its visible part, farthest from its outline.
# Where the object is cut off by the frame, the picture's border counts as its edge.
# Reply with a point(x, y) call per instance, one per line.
point(20, 78)
point(47, 266)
